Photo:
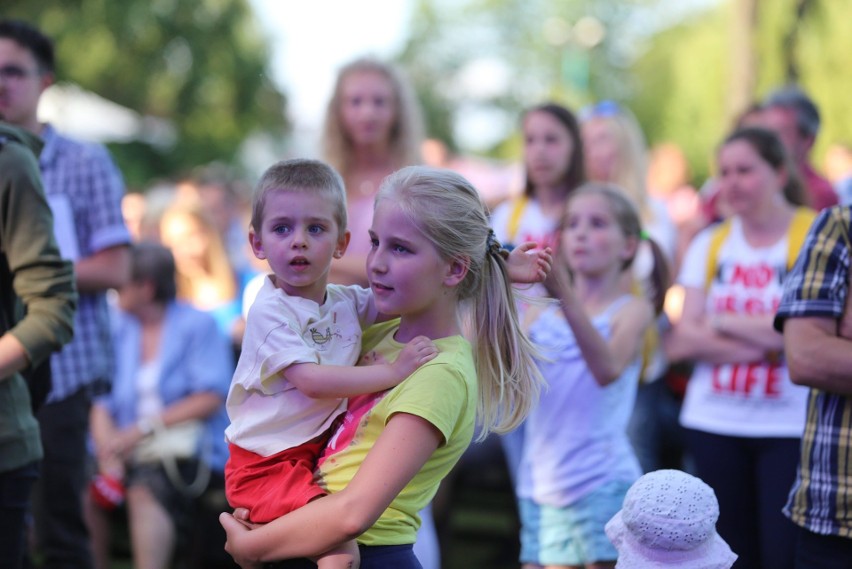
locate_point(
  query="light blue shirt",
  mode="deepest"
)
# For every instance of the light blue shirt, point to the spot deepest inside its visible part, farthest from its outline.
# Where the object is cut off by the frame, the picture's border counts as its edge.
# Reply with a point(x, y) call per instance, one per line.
point(195, 356)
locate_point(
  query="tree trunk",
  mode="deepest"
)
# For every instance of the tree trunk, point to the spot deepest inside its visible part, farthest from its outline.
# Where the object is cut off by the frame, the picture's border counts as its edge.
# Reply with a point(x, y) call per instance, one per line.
point(742, 57)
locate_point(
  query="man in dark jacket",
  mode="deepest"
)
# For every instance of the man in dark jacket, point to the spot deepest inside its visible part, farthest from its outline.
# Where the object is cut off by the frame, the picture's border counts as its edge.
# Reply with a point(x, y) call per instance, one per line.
point(37, 303)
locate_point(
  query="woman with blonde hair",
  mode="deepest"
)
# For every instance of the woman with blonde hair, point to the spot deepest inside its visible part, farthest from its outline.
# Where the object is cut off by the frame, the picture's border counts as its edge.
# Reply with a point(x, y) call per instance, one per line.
point(373, 126)
point(615, 152)
point(205, 277)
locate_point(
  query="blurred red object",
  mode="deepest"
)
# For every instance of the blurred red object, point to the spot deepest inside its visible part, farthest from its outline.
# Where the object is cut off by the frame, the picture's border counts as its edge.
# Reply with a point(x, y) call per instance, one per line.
point(107, 491)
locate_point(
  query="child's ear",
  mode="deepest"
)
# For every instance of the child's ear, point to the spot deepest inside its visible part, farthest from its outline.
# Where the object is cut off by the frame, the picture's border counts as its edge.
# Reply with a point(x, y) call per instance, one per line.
point(256, 244)
point(456, 271)
point(631, 246)
point(342, 244)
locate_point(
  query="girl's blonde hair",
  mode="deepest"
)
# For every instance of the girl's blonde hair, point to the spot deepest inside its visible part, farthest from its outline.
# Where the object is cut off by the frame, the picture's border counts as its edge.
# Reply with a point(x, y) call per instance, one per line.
point(216, 262)
point(631, 168)
point(406, 133)
point(450, 213)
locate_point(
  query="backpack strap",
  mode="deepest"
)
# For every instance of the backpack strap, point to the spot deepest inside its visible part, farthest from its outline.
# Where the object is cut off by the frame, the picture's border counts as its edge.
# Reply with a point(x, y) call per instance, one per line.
point(803, 217)
point(720, 233)
point(798, 231)
point(514, 222)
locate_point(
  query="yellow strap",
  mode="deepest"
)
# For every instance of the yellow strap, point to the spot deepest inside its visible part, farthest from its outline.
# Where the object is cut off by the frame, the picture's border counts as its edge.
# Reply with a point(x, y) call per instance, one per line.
point(796, 233)
point(716, 239)
point(802, 220)
point(515, 218)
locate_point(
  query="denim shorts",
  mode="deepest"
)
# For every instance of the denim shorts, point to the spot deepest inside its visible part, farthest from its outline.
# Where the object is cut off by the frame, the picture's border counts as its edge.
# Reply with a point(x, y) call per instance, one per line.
point(574, 534)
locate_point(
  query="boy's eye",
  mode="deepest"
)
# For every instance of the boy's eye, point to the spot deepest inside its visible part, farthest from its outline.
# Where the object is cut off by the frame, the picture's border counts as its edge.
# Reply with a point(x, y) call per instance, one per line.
point(374, 242)
point(281, 229)
point(315, 229)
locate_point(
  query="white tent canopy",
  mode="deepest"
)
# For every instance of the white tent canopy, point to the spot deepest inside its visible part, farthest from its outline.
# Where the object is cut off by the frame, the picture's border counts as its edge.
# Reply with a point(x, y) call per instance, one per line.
point(88, 116)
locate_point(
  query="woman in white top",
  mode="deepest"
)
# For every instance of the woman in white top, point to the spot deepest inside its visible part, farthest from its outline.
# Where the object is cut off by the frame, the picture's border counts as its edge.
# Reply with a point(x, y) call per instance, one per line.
point(743, 414)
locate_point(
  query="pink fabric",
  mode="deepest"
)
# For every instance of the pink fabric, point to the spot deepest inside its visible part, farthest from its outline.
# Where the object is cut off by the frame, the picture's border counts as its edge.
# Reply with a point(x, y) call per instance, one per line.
point(820, 192)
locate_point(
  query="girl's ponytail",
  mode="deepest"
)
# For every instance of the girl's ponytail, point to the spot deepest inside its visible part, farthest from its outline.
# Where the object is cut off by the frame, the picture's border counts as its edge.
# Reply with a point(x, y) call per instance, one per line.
point(509, 381)
point(450, 213)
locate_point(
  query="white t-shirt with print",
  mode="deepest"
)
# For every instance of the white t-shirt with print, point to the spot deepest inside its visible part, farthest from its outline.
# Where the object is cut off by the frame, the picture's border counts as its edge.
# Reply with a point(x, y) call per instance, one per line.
point(748, 400)
point(268, 414)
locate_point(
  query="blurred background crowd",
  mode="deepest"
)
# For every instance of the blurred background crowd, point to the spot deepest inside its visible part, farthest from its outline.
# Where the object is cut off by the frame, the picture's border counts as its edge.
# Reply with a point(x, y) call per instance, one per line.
point(192, 101)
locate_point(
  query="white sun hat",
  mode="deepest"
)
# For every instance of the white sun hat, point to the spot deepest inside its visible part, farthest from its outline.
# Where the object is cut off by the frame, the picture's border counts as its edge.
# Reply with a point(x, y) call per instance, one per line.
point(669, 520)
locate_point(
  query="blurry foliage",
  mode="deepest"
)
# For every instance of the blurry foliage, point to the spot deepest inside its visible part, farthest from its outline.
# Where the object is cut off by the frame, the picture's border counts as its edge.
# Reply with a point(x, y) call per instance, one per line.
point(672, 68)
point(200, 64)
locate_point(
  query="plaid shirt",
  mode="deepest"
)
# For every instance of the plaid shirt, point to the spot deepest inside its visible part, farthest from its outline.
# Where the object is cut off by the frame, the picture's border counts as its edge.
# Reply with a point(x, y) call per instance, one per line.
point(821, 498)
point(84, 188)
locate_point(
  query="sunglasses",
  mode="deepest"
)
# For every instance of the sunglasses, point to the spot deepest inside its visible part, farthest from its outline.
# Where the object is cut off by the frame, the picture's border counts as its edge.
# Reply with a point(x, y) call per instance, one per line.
point(15, 72)
point(601, 109)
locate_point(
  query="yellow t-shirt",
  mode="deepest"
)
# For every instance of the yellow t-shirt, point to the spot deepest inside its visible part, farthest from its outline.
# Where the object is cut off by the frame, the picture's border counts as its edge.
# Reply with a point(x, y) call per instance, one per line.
point(443, 392)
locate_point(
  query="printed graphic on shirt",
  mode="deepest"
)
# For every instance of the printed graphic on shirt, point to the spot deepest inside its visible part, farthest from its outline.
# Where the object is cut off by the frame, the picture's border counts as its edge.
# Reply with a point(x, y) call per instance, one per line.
point(753, 288)
point(741, 288)
point(325, 338)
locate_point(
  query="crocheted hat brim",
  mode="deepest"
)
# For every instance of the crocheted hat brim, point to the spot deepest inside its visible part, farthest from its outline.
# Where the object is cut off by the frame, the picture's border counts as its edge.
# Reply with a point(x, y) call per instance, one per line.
point(712, 554)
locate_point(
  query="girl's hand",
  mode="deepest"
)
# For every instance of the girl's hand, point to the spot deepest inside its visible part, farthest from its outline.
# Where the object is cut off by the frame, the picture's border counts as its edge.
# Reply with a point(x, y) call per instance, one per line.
point(526, 266)
point(236, 530)
point(558, 282)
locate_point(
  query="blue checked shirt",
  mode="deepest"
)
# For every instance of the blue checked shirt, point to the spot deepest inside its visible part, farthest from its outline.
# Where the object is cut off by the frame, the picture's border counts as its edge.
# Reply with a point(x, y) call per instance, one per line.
point(84, 188)
point(818, 286)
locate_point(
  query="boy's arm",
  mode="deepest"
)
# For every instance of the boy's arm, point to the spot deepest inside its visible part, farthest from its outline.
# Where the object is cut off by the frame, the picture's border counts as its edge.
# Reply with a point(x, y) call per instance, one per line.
point(332, 381)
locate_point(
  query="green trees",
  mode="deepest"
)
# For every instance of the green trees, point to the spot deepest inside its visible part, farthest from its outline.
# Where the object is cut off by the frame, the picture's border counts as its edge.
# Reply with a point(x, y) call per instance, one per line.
point(201, 65)
point(685, 68)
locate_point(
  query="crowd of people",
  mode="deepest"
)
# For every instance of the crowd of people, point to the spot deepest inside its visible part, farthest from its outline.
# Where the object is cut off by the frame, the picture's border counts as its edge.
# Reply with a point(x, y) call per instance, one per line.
point(290, 375)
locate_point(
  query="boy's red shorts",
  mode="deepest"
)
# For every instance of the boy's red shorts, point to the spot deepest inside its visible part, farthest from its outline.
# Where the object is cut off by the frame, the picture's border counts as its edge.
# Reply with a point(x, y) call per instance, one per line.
point(271, 486)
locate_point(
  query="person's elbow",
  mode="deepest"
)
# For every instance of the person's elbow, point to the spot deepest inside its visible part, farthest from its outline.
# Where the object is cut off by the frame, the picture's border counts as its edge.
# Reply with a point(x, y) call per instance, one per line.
point(802, 365)
point(355, 517)
point(606, 375)
point(805, 349)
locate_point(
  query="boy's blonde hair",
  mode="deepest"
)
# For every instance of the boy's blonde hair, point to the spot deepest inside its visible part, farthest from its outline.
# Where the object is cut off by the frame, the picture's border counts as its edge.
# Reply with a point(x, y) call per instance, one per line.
point(406, 133)
point(300, 175)
point(450, 213)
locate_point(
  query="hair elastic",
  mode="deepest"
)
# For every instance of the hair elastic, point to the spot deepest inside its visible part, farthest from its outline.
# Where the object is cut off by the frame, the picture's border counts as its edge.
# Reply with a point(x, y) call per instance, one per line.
point(493, 246)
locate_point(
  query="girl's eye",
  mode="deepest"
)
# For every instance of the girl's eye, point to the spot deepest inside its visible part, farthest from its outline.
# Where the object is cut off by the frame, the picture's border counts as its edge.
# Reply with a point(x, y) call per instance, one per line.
point(400, 249)
point(374, 242)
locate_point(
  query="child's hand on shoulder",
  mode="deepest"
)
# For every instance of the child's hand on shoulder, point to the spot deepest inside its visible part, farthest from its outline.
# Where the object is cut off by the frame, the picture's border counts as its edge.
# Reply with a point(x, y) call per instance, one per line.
point(416, 352)
point(526, 264)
